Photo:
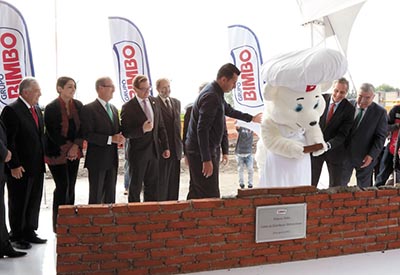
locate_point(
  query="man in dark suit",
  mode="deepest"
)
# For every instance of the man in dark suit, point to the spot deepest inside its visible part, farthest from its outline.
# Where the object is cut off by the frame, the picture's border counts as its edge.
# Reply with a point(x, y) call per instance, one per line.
point(205, 132)
point(366, 139)
point(335, 123)
point(6, 248)
point(170, 168)
point(102, 130)
point(23, 121)
point(143, 125)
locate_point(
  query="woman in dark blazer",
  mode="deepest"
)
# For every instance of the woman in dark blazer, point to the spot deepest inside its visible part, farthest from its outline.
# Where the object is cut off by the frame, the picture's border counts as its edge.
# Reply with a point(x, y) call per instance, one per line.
point(63, 143)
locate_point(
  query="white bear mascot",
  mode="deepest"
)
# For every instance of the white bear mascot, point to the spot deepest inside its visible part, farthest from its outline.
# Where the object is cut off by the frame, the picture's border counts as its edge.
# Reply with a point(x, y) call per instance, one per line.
point(293, 105)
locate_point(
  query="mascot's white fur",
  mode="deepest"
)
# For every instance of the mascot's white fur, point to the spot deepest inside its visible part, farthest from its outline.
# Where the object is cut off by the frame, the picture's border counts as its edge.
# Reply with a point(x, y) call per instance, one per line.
point(293, 106)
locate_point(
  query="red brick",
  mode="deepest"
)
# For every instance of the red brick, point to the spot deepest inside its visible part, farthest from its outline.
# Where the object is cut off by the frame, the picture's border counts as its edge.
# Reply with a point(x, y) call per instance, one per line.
point(207, 203)
point(289, 200)
point(131, 219)
point(96, 239)
point(175, 205)
point(266, 251)
point(241, 220)
point(196, 214)
point(196, 232)
point(329, 252)
point(79, 249)
point(144, 207)
point(66, 210)
point(150, 227)
point(242, 203)
point(61, 268)
point(225, 212)
point(210, 257)
point(380, 201)
point(93, 209)
point(85, 230)
point(353, 249)
point(278, 258)
point(358, 218)
point(67, 240)
point(225, 264)
point(121, 255)
point(366, 210)
point(341, 196)
point(212, 222)
point(162, 270)
point(73, 220)
point(365, 194)
point(116, 247)
point(103, 220)
point(387, 192)
point(132, 237)
point(375, 247)
point(193, 267)
point(149, 245)
point(182, 225)
point(226, 230)
point(68, 258)
point(167, 252)
point(355, 203)
point(319, 213)
point(165, 235)
point(196, 249)
point(117, 229)
point(119, 208)
point(179, 243)
point(98, 257)
point(267, 201)
point(164, 217)
point(389, 208)
point(343, 212)
point(317, 198)
point(304, 255)
point(333, 220)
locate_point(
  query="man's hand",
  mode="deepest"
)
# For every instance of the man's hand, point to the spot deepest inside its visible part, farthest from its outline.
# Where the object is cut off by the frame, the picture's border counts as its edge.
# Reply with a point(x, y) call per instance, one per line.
point(147, 126)
point(225, 159)
point(207, 168)
point(367, 161)
point(73, 152)
point(257, 118)
point(166, 154)
point(118, 139)
point(17, 172)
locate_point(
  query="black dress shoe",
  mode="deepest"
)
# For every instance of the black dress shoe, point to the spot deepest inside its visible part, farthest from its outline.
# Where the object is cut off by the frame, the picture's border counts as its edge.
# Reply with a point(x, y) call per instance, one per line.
point(10, 252)
point(35, 240)
point(21, 244)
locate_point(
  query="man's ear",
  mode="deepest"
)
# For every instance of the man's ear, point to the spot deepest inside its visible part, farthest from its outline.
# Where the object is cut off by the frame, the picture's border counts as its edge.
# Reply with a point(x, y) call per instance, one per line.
point(270, 92)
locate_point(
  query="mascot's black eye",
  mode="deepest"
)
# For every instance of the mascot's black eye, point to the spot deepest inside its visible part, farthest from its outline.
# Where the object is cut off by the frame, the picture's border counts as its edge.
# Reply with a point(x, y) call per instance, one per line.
point(299, 108)
point(316, 106)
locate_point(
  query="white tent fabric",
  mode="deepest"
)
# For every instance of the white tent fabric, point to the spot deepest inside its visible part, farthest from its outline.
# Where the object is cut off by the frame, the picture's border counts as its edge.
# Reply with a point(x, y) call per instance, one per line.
point(335, 17)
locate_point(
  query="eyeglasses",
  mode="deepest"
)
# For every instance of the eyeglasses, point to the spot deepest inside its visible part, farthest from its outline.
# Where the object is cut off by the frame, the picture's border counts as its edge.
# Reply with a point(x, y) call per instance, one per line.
point(108, 86)
point(145, 89)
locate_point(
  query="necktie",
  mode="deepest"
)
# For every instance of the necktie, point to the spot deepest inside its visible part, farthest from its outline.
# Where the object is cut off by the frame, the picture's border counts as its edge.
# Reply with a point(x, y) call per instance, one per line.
point(146, 109)
point(35, 116)
point(357, 120)
point(330, 113)
point(110, 114)
point(168, 105)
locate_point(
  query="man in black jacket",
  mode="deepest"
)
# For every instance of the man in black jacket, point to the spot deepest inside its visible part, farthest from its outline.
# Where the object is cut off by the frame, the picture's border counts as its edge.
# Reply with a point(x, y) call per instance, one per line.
point(205, 132)
point(335, 123)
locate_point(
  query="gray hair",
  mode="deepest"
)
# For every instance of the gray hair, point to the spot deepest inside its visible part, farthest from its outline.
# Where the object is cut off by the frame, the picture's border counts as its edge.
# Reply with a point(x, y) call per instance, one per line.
point(26, 84)
point(367, 87)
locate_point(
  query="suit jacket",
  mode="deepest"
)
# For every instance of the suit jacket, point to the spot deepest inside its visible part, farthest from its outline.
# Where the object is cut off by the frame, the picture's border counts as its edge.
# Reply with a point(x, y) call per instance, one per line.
point(336, 131)
point(143, 146)
point(369, 137)
point(25, 140)
point(97, 127)
point(207, 122)
point(172, 122)
point(53, 119)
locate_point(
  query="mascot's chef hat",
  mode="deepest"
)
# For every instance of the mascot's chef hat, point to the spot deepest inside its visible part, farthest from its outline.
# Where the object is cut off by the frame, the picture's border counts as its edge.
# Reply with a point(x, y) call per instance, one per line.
point(302, 70)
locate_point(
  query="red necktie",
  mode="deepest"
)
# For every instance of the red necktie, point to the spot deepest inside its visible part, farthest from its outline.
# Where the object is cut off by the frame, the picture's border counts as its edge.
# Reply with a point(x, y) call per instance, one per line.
point(330, 113)
point(35, 116)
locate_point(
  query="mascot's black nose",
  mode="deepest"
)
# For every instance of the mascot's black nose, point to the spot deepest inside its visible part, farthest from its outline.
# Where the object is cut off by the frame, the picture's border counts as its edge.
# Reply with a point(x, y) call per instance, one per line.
point(312, 123)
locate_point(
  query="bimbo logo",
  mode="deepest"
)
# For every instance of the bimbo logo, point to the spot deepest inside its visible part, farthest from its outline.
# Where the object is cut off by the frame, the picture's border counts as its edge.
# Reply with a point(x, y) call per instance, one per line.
point(12, 67)
point(248, 85)
point(130, 59)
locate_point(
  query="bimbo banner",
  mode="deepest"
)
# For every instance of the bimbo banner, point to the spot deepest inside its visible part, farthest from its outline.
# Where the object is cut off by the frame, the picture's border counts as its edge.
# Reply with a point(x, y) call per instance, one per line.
point(130, 56)
point(15, 53)
point(246, 55)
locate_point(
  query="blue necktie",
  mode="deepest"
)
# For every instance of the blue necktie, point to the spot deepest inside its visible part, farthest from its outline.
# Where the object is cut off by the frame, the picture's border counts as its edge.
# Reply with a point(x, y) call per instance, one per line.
point(110, 114)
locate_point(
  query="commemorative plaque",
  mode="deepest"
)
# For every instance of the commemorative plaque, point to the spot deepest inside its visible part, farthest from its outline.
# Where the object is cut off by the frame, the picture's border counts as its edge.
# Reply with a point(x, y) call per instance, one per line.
point(281, 222)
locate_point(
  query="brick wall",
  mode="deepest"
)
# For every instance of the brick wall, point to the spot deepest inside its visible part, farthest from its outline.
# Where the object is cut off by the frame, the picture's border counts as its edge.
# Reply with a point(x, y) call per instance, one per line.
point(209, 234)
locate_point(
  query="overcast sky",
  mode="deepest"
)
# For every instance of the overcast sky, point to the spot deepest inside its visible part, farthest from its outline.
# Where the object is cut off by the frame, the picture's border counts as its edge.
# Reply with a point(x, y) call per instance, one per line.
point(187, 41)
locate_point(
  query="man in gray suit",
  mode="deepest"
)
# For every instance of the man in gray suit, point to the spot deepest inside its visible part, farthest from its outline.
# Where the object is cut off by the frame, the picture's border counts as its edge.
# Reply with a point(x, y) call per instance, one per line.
point(366, 139)
point(101, 130)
